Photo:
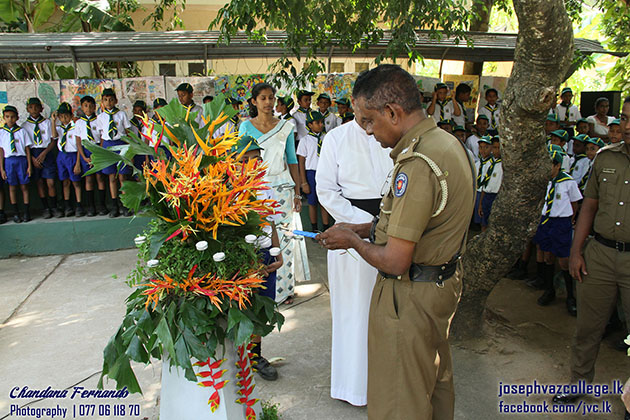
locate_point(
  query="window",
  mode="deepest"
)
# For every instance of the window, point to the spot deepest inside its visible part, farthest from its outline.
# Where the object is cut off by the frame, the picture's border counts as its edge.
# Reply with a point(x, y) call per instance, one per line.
point(167, 70)
point(359, 67)
point(195, 69)
point(337, 67)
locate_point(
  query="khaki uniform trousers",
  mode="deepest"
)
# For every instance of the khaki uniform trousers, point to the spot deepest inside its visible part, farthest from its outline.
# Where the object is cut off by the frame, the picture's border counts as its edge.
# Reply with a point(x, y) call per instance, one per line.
point(608, 277)
point(410, 374)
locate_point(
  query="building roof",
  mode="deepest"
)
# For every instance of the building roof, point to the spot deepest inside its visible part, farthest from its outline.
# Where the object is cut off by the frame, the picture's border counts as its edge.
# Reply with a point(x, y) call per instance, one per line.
point(189, 45)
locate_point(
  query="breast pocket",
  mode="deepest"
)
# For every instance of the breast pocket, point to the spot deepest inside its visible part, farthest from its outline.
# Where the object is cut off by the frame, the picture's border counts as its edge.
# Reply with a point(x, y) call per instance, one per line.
point(608, 185)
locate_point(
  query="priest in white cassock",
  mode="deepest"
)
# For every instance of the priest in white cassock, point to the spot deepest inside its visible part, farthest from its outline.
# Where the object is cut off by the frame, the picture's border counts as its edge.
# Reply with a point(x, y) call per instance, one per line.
point(351, 173)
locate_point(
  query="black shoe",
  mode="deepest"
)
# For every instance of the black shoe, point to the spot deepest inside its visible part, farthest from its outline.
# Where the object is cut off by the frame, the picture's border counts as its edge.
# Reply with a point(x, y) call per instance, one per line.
point(620, 345)
point(17, 218)
point(126, 212)
point(91, 212)
point(537, 283)
point(264, 369)
point(80, 212)
point(102, 210)
point(519, 271)
point(547, 297)
point(565, 398)
point(47, 213)
point(626, 416)
point(571, 306)
point(3, 218)
point(27, 217)
point(57, 213)
point(68, 212)
point(114, 213)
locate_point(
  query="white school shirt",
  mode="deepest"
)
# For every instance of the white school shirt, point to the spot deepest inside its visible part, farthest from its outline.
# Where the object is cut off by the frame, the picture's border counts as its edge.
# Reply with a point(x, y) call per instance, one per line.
point(598, 128)
point(561, 111)
point(494, 184)
point(449, 110)
point(120, 119)
point(472, 143)
point(199, 110)
point(331, 121)
point(484, 169)
point(290, 118)
point(80, 130)
point(223, 129)
point(45, 127)
point(300, 123)
point(461, 118)
point(566, 192)
point(71, 139)
point(492, 112)
point(566, 163)
point(307, 147)
point(22, 140)
point(580, 169)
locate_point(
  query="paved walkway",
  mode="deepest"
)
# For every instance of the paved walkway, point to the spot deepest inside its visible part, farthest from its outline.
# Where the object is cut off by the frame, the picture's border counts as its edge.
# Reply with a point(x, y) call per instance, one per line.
point(58, 312)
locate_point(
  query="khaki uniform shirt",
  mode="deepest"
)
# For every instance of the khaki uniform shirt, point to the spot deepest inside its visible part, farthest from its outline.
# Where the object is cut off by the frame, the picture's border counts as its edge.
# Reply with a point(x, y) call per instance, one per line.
point(415, 195)
point(610, 184)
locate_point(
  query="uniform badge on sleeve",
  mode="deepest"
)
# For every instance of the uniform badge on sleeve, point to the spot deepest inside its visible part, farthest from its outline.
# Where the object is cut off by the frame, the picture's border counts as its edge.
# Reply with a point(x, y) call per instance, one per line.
point(400, 186)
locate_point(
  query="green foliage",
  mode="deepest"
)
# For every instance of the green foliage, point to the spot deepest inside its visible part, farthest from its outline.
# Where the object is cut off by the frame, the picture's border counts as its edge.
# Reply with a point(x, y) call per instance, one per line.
point(97, 18)
point(270, 411)
point(615, 24)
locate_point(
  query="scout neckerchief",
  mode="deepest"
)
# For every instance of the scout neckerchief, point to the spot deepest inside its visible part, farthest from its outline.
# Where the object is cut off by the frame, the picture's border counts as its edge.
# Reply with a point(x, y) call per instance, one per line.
point(492, 109)
point(113, 129)
point(488, 175)
point(566, 112)
point(325, 115)
point(287, 116)
point(442, 104)
point(37, 131)
point(587, 175)
point(12, 132)
point(318, 136)
point(234, 120)
point(577, 159)
point(480, 182)
point(88, 121)
point(64, 137)
point(562, 176)
point(136, 123)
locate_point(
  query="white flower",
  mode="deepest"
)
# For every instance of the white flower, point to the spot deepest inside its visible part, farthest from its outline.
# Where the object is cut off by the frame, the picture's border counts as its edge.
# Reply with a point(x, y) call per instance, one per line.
point(152, 263)
point(250, 239)
point(218, 257)
point(202, 245)
point(139, 240)
point(275, 251)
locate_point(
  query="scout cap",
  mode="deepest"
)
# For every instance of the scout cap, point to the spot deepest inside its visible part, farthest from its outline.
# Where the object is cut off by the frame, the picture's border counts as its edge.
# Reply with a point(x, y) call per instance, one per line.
point(313, 116)
point(108, 92)
point(288, 101)
point(496, 139)
point(552, 117)
point(444, 122)
point(64, 108)
point(581, 137)
point(301, 93)
point(246, 143)
point(33, 101)
point(140, 104)
point(439, 86)
point(186, 87)
point(347, 116)
point(556, 153)
point(343, 101)
point(483, 117)
point(562, 134)
point(596, 141)
point(485, 139)
point(10, 108)
point(458, 128)
point(324, 96)
point(158, 102)
point(584, 120)
point(616, 121)
point(565, 90)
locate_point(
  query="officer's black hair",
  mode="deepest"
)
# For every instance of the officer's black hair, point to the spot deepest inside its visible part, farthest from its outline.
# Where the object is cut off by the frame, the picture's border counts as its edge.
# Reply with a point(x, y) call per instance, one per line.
point(387, 84)
point(256, 90)
point(88, 98)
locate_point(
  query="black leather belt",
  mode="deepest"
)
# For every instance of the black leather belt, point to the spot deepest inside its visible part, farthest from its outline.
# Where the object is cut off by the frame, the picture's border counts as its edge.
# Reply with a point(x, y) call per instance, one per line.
point(619, 246)
point(370, 205)
point(429, 273)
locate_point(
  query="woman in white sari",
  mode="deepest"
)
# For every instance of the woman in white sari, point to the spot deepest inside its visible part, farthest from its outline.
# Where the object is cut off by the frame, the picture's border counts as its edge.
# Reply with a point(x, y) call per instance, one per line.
point(276, 138)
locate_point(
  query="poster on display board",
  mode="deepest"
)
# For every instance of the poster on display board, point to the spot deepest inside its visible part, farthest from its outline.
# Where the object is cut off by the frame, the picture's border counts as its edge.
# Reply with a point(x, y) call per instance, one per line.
point(72, 90)
point(238, 87)
point(202, 86)
point(17, 93)
point(145, 89)
point(487, 82)
point(4, 97)
point(453, 80)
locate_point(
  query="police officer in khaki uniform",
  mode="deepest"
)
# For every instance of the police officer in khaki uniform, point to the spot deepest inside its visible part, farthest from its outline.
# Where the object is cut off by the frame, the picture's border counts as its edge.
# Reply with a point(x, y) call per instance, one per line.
point(603, 266)
point(417, 241)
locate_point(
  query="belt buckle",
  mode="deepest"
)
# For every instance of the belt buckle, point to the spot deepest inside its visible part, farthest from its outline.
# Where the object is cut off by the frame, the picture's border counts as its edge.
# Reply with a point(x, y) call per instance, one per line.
point(620, 246)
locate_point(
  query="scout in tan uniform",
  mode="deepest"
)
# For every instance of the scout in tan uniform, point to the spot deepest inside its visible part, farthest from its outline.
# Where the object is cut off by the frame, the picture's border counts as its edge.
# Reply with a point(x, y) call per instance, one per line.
point(417, 242)
point(603, 267)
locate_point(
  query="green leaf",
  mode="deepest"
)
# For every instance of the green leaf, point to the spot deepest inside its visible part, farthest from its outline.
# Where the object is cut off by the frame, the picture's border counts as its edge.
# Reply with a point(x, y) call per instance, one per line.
point(244, 333)
point(136, 351)
point(164, 334)
point(43, 12)
point(99, 19)
point(101, 157)
point(157, 240)
point(9, 11)
point(183, 358)
point(133, 192)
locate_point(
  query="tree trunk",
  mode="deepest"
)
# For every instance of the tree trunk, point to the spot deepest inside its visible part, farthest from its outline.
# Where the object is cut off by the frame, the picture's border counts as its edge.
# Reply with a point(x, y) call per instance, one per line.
point(544, 50)
point(480, 22)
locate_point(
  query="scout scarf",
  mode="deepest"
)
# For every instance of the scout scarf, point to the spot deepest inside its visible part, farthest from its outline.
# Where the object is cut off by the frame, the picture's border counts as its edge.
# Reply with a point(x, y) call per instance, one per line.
point(319, 138)
point(136, 123)
point(575, 162)
point(113, 128)
point(12, 132)
point(64, 137)
point(587, 175)
point(37, 131)
point(480, 181)
point(234, 120)
point(88, 121)
point(303, 110)
point(550, 195)
point(442, 104)
point(492, 109)
point(566, 112)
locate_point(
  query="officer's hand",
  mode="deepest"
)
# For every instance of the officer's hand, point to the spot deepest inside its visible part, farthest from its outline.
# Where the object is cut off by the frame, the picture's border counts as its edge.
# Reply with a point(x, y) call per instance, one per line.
point(337, 238)
point(577, 266)
point(625, 396)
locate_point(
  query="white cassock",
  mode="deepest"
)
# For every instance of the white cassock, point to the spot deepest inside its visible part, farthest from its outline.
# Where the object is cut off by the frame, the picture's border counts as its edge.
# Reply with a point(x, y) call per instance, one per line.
point(352, 165)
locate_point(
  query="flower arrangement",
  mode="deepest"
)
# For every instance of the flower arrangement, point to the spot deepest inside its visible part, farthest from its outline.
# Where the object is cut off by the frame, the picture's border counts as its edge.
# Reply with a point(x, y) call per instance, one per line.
point(196, 276)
